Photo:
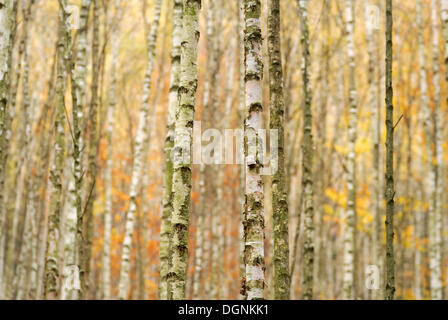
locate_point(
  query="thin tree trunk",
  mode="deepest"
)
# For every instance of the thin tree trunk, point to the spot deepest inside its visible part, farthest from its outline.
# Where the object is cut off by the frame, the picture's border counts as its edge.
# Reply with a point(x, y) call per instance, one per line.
point(139, 157)
point(307, 159)
point(52, 272)
point(279, 195)
point(389, 191)
point(106, 286)
point(435, 231)
point(350, 213)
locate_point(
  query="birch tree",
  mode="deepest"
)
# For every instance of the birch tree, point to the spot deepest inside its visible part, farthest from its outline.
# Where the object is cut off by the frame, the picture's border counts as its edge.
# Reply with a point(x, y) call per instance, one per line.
point(139, 156)
point(435, 230)
point(182, 149)
point(165, 229)
point(78, 85)
point(350, 213)
point(52, 272)
point(6, 30)
point(115, 45)
point(254, 193)
point(307, 158)
point(376, 137)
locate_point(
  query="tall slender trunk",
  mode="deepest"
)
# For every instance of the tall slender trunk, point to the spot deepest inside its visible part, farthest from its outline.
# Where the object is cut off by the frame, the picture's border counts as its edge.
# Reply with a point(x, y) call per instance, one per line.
point(435, 230)
point(165, 229)
point(350, 213)
point(254, 193)
point(78, 83)
point(115, 45)
point(180, 219)
point(426, 118)
point(87, 227)
point(52, 272)
point(389, 176)
point(376, 257)
point(307, 159)
point(139, 156)
point(279, 195)
point(7, 25)
point(241, 115)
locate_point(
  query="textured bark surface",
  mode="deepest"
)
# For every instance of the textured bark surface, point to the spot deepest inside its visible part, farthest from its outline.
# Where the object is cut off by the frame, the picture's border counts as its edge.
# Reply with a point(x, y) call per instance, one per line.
point(307, 159)
point(254, 193)
point(7, 22)
point(52, 270)
point(389, 191)
point(182, 149)
point(279, 196)
point(165, 231)
point(78, 83)
point(6, 30)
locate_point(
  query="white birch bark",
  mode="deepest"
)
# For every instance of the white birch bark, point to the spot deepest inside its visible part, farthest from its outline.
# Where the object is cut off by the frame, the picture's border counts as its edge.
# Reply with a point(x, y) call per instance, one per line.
point(115, 44)
point(139, 157)
point(254, 193)
point(435, 231)
point(350, 212)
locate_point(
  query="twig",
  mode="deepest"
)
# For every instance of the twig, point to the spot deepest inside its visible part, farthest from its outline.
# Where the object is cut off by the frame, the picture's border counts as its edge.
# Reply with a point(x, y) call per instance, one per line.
point(401, 117)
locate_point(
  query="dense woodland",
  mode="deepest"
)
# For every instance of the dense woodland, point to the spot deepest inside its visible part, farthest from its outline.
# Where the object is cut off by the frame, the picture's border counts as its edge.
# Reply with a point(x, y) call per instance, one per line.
point(330, 185)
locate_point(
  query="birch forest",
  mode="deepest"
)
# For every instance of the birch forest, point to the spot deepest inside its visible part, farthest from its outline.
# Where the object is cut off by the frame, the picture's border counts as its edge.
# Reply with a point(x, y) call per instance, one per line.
point(223, 150)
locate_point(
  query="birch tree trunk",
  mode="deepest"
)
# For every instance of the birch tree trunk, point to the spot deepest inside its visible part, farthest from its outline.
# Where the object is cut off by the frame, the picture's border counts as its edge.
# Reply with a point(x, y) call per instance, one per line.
point(350, 213)
point(376, 138)
point(52, 272)
point(86, 245)
point(6, 30)
point(444, 14)
point(426, 118)
point(115, 44)
point(78, 83)
point(279, 196)
point(389, 191)
point(435, 230)
point(182, 146)
point(165, 229)
point(241, 115)
point(7, 23)
point(307, 159)
point(139, 157)
point(254, 194)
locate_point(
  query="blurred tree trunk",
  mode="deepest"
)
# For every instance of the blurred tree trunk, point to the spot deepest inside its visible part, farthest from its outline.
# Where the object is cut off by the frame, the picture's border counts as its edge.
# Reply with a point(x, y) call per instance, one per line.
point(52, 272)
point(78, 83)
point(435, 230)
point(139, 156)
point(350, 213)
point(108, 215)
point(307, 159)
point(7, 34)
point(371, 35)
